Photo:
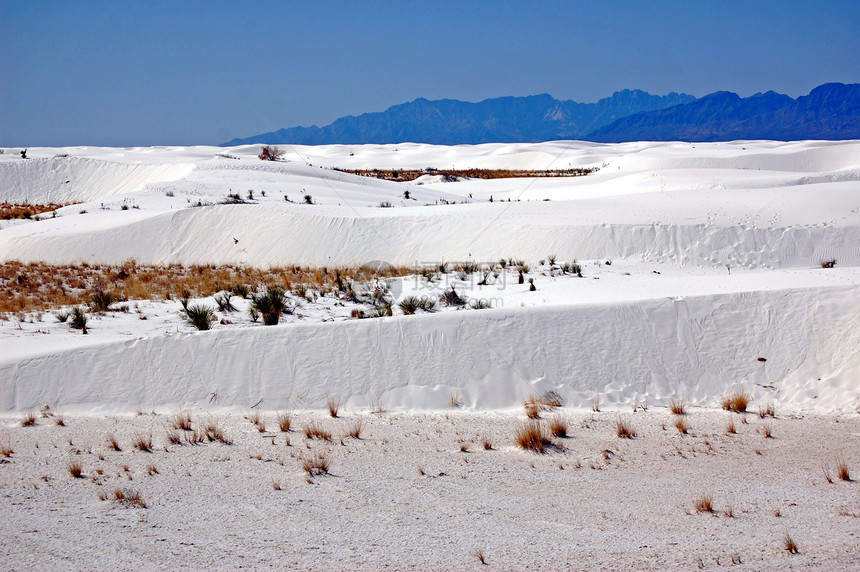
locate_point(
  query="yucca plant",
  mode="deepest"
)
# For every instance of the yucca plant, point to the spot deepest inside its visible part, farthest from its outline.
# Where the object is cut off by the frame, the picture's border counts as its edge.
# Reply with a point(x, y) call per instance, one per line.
point(271, 304)
point(79, 319)
point(452, 298)
point(410, 304)
point(200, 316)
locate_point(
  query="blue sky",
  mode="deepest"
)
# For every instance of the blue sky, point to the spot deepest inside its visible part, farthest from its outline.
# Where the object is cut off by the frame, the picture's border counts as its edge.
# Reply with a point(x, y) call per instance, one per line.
point(178, 73)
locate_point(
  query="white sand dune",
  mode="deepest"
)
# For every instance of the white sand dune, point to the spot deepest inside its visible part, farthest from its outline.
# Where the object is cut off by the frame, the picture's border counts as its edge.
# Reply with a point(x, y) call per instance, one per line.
point(694, 213)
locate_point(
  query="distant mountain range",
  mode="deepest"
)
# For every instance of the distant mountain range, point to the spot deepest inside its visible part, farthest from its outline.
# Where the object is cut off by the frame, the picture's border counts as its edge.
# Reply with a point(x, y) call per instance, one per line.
point(830, 111)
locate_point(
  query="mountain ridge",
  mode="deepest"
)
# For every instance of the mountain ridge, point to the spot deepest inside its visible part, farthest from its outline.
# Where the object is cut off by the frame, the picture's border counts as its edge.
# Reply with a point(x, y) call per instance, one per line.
point(830, 112)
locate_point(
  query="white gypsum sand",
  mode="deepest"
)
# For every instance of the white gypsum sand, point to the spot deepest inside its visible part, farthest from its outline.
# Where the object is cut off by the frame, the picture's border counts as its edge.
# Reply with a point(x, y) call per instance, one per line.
point(701, 277)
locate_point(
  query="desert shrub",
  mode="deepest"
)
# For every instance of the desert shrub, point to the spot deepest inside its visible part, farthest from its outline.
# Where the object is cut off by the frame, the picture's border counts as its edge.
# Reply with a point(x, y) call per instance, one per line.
point(309, 200)
point(79, 319)
point(828, 263)
point(270, 153)
point(62, 316)
point(271, 304)
point(241, 290)
point(101, 301)
point(200, 316)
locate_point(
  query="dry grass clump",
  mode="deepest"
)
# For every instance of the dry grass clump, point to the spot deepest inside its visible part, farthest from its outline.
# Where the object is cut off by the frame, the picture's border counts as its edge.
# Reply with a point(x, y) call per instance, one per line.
point(6, 449)
point(285, 421)
point(59, 420)
point(126, 497)
point(705, 503)
point(40, 287)
point(558, 427)
point(76, 468)
point(767, 411)
point(314, 430)
point(681, 426)
point(789, 545)
point(9, 211)
point(173, 437)
point(677, 407)
point(531, 437)
point(151, 470)
point(212, 432)
point(454, 399)
point(532, 407)
point(333, 404)
point(842, 469)
point(142, 442)
point(624, 429)
point(479, 554)
point(29, 418)
point(730, 428)
point(181, 421)
point(113, 443)
point(355, 428)
point(737, 401)
point(316, 464)
point(767, 428)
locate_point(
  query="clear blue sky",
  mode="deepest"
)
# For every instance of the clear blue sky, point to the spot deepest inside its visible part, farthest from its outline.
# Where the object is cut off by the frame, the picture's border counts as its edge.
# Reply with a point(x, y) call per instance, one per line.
point(174, 73)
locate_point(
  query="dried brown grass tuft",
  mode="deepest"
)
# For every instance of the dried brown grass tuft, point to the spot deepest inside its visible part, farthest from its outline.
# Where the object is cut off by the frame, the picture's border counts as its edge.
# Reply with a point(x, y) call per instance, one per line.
point(842, 469)
point(789, 545)
point(681, 426)
point(677, 407)
point(624, 429)
point(333, 404)
point(558, 427)
point(705, 503)
point(355, 428)
point(317, 464)
point(285, 421)
point(29, 418)
point(531, 436)
point(113, 443)
point(142, 442)
point(737, 401)
point(314, 430)
point(76, 468)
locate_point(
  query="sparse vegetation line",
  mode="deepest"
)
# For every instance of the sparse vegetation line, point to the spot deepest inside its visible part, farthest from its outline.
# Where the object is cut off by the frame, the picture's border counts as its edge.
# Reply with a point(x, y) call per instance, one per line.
point(406, 175)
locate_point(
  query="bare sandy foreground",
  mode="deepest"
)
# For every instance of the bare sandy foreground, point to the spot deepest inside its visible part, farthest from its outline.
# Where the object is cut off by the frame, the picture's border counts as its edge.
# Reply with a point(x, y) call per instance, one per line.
point(435, 491)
